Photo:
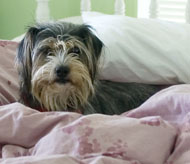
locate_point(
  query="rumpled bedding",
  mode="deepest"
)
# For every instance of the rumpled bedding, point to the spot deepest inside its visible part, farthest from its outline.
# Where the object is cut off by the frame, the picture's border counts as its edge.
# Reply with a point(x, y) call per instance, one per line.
point(8, 72)
point(157, 132)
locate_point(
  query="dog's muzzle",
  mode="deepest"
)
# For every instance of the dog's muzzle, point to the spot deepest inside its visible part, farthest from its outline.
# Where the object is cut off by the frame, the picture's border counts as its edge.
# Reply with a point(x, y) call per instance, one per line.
point(62, 73)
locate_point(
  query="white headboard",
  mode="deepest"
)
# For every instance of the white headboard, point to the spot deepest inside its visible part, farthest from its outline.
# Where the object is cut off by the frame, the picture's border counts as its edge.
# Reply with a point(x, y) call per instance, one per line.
point(43, 12)
point(155, 8)
point(172, 10)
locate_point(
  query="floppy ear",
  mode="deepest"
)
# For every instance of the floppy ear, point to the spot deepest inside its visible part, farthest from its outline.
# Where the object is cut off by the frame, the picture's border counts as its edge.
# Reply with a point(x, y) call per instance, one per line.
point(24, 64)
point(96, 42)
point(93, 44)
point(90, 39)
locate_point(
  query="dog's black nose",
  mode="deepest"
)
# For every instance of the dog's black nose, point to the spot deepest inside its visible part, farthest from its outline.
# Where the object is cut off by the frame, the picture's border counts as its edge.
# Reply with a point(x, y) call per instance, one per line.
point(62, 71)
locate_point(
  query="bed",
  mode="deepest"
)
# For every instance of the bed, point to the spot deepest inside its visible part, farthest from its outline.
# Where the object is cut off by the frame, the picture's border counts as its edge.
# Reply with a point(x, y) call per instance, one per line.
point(157, 132)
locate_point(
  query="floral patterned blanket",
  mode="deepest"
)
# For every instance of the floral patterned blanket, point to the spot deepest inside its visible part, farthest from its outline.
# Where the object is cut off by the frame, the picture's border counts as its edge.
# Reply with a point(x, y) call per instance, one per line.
point(157, 132)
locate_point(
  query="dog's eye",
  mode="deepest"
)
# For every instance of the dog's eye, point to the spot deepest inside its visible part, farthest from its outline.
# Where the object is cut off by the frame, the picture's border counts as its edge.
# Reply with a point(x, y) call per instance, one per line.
point(74, 50)
point(51, 54)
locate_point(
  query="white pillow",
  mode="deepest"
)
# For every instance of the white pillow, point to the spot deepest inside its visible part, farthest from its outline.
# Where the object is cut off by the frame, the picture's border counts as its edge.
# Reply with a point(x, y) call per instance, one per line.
point(142, 50)
point(75, 20)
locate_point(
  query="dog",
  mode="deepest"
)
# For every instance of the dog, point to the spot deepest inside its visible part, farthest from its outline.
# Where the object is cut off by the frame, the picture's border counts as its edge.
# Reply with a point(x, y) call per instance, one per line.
point(58, 66)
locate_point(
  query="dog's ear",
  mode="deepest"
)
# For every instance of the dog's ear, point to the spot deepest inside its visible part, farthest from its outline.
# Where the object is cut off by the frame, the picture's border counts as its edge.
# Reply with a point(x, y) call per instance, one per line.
point(27, 44)
point(93, 44)
point(90, 39)
point(24, 63)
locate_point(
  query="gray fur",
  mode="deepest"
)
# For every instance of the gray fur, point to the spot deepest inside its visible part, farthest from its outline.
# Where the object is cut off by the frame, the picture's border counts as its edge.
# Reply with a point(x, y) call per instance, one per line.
point(116, 98)
point(109, 97)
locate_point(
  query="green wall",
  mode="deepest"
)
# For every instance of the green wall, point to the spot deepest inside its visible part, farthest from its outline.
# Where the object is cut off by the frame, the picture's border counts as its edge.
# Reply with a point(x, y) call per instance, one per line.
point(16, 15)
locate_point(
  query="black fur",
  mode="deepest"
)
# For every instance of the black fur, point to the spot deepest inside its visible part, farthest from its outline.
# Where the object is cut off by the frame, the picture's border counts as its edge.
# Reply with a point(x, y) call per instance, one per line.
point(116, 98)
point(40, 32)
point(110, 97)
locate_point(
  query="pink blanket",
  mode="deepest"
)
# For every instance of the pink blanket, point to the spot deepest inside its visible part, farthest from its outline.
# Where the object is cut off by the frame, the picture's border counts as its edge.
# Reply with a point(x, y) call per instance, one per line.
point(158, 132)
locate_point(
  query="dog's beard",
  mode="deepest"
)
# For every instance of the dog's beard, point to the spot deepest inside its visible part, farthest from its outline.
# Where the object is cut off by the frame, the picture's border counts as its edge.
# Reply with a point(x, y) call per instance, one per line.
point(61, 96)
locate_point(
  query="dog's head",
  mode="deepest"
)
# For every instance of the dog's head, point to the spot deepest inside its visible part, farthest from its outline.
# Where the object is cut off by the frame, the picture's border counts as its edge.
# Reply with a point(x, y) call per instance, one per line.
point(58, 64)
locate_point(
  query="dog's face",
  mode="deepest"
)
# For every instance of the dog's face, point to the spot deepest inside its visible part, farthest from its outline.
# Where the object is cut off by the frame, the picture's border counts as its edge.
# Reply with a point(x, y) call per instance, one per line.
point(57, 64)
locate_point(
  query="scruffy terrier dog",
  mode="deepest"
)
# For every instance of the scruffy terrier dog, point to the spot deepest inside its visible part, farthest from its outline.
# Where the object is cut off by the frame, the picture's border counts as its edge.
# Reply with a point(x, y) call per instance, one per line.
point(58, 68)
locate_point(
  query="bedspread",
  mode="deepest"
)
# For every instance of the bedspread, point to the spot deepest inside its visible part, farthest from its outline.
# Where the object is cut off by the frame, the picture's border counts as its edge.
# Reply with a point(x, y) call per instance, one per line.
point(157, 132)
